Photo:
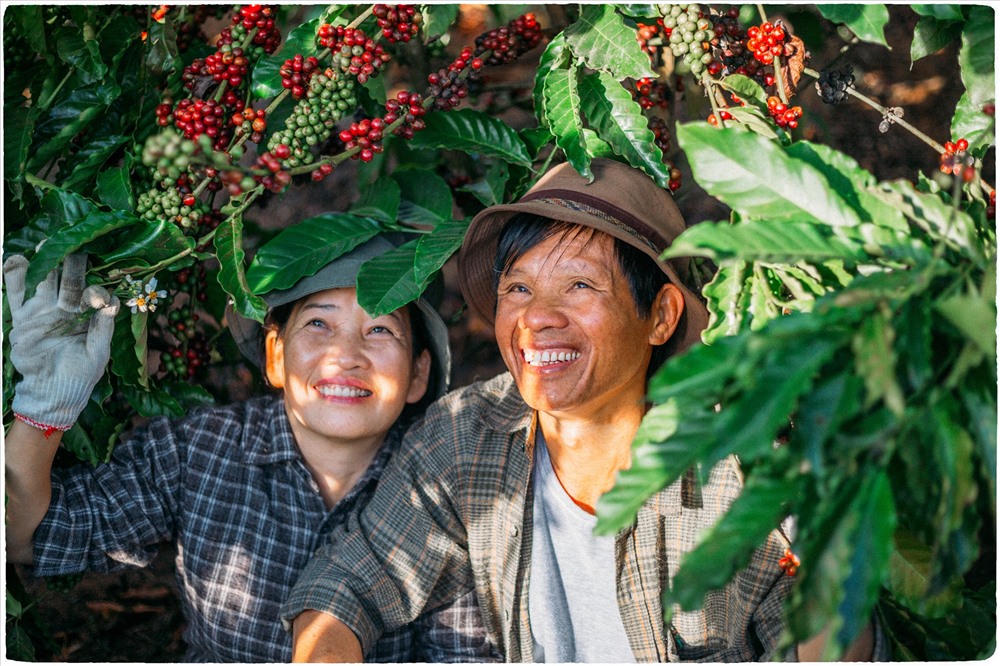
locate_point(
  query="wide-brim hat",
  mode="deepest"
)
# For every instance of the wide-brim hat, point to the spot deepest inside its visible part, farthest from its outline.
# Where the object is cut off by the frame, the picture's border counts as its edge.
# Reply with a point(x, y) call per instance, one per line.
point(339, 273)
point(621, 201)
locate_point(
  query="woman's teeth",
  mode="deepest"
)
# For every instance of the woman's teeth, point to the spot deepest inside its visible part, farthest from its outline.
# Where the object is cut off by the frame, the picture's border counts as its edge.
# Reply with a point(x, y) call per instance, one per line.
point(343, 391)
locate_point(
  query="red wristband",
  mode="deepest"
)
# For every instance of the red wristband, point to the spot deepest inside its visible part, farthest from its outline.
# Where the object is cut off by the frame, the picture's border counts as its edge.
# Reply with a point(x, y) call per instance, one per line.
point(47, 429)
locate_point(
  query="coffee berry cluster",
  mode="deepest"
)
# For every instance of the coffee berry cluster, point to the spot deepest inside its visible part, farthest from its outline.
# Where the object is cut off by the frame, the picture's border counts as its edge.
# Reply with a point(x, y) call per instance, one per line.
point(730, 48)
point(185, 350)
point(448, 87)
point(296, 73)
point(690, 34)
point(651, 93)
point(767, 41)
point(957, 161)
point(399, 23)
point(784, 116)
point(507, 43)
point(833, 84)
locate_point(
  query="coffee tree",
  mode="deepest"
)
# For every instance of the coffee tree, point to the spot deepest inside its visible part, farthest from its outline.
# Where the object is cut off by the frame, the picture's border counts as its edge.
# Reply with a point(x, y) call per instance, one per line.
point(851, 356)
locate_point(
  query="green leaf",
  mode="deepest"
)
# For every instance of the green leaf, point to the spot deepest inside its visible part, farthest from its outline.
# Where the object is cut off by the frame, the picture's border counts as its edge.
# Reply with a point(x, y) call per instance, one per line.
point(435, 248)
point(728, 546)
point(69, 239)
point(378, 200)
point(561, 113)
point(619, 121)
point(845, 560)
point(146, 243)
point(762, 240)
point(229, 251)
point(752, 119)
point(723, 295)
point(909, 577)
point(940, 12)
point(865, 21)
point(19, 128)
point(976, 57)
point(124, 363)
point(32, 26)
point(19, 645)
point(939, 219)
point(490, 190)
point(140, 333)
point(387, 282)
point(757, 178)
point(163, 55)
point(664, 447)
point(931, 35)
point(472, 132)
point(302, 249)
point(972, 124)
point(437, 19)
point(90, 159)
point(745, 88)
point(152, 403)
point(266, 78)
point(552, 57)
point(833, 400)
point(596, 146)
point(875, 362)
point(640, 10)
point(700, 373)
point(188, 395)
point(426, 198)
point(114, 188)
point(601, 38)
point(974, 317)
point(851, 182)
point(82, 54)
point(14, 608)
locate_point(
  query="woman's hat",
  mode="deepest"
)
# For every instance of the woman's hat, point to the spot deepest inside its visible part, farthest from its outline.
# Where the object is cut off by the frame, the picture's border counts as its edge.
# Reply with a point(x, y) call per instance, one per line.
point(621, 201)
point(339, 273)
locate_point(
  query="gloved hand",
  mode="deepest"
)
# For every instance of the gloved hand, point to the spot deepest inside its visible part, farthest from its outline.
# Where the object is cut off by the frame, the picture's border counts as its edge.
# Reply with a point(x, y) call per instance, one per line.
point(60, 351)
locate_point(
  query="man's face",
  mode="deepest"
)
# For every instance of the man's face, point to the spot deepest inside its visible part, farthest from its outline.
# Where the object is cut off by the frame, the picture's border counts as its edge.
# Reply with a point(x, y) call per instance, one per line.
point(568, 330)
point(346, 376)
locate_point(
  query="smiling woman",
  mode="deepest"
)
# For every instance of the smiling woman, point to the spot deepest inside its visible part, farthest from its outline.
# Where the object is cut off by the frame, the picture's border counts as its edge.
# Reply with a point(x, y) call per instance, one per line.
point(247, 491)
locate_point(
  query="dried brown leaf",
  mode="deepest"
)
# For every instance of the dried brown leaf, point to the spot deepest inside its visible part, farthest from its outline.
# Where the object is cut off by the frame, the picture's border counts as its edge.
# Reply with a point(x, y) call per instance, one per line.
point(793, 63)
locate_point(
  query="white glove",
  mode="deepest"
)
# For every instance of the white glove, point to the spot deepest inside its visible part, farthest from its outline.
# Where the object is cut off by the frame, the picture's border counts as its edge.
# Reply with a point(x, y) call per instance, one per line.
point(60, 350)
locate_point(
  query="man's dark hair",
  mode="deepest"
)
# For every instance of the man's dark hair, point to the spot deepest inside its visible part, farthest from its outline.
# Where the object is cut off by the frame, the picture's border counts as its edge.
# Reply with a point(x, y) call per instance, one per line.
point(645, 278)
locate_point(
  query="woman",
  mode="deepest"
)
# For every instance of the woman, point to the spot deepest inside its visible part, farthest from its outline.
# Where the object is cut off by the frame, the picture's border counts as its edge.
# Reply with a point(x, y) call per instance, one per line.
point(247, 491)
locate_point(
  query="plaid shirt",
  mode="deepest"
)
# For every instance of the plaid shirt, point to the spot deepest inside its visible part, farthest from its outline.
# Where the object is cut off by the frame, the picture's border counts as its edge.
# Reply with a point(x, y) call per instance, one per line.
point(229, 485)
point(453, 515)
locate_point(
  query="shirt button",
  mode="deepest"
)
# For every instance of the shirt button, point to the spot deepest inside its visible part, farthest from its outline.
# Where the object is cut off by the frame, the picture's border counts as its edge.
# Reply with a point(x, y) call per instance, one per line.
point(513, 530)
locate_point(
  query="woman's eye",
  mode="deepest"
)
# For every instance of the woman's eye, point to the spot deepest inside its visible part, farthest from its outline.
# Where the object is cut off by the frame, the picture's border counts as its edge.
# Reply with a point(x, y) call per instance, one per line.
point(380, 330)
point(316, 323)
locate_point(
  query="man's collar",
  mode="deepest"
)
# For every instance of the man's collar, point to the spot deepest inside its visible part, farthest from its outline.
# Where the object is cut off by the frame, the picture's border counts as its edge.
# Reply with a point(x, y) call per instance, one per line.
point(509, 413)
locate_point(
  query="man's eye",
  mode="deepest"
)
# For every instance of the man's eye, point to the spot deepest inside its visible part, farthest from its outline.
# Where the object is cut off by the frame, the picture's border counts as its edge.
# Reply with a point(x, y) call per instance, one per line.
point(580, 285)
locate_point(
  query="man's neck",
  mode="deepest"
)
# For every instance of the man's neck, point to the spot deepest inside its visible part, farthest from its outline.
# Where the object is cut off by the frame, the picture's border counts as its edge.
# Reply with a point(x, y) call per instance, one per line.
point(586, 454)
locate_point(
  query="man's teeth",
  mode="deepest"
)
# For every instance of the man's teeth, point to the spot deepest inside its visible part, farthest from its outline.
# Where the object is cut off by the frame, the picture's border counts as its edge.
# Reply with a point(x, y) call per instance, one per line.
point(338, 391)
point(539, 358)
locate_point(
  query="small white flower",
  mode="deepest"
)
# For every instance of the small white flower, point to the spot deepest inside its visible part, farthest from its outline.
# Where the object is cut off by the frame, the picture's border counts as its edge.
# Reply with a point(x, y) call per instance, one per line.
point(144, 297)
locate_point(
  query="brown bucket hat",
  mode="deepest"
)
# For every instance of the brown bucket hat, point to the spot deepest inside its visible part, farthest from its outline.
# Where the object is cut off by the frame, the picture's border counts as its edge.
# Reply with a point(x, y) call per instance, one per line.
point(621, 201)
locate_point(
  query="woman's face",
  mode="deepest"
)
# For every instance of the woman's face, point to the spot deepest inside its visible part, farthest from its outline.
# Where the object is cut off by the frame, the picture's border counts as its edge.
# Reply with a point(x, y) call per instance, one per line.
point(346, 376)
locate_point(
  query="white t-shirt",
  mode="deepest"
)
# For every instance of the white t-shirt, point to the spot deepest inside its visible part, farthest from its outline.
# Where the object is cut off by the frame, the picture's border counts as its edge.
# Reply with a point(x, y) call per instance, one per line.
point(572, 595)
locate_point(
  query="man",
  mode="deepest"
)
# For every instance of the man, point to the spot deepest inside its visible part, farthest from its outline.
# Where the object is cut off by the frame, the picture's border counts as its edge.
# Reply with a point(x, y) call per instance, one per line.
point(495, 491)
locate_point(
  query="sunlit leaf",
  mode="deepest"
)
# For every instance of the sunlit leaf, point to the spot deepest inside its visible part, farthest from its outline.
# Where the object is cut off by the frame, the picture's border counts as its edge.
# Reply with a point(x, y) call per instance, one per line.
point(866, 21)
point(757, 178)
point(426, 198)
point(619, 121)
point(229, 250)
point(601, 38)
point(387, 282)
point(562, 114)
point(473, 132)
point(435, 248)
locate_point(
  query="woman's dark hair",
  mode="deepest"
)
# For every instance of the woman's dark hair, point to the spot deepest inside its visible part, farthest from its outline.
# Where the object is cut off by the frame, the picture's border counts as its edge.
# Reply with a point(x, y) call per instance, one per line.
point(645, 278)
point(277, 318)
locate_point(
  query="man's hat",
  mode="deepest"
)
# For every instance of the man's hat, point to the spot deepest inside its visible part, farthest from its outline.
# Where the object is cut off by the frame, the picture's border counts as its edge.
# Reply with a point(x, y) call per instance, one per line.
point(621, 201)
point(343, 272)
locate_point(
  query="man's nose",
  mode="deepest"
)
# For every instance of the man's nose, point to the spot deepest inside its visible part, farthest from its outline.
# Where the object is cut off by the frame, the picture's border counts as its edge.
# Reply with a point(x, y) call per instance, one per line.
point(543, 310)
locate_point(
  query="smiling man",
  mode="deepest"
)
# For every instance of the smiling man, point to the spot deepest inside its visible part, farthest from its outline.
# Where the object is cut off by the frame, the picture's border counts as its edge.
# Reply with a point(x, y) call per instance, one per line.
point(494, 493)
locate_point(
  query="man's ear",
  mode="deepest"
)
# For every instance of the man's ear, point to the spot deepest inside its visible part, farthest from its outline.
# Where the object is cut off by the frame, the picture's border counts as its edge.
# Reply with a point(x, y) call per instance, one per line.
point(421, 377)
point(668, 306)
point(274, 359)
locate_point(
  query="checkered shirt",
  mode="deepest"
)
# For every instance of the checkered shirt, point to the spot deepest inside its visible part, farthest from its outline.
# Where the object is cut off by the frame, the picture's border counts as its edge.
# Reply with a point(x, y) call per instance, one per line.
point(453, 515)
point(230, 487)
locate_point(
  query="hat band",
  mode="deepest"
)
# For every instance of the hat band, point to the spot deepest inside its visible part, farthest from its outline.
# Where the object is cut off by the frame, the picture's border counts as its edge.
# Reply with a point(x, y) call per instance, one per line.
point(618, 218)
